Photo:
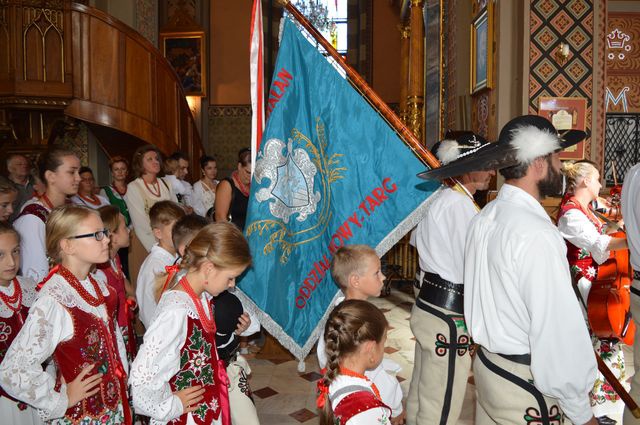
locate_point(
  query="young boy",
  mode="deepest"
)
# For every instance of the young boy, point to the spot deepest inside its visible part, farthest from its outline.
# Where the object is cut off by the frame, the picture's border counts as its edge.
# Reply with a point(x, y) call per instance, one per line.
point(356, 269)
point(162, 216)
point(230, 321)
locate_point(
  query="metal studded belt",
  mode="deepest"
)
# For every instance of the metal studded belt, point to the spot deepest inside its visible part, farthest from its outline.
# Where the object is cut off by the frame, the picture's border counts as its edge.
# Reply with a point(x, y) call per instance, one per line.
point(442, 293)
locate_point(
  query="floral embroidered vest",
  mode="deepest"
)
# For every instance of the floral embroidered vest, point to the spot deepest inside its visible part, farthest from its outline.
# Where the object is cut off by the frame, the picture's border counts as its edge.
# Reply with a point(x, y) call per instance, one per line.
point(199, 365)
point(124, 310)
point(35, 209)
point(94, 342)
point(580, 260)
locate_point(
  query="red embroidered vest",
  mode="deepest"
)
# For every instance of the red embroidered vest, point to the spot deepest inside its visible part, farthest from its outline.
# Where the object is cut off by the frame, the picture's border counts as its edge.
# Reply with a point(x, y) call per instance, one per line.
point(124, 312)
point(355, 403)
point(199, 365)
point(35, 209)
point(9, 328)
point(580, 260)
point(93, 342)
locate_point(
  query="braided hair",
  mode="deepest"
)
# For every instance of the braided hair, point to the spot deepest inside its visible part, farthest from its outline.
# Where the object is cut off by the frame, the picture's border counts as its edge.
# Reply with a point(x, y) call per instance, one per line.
point(350, 324)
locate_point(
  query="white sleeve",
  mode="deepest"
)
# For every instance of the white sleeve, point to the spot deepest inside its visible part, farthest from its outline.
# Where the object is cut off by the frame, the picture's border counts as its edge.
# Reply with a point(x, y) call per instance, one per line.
point(188, 193)
point(388, 385)
point(377, 415)
point(198, 201)
point(156, 363)
point(145, 293)
point(139, 217)
point(565, 370)
point(32, 246)
point(21, 373)
point(575, 227)
point(103, 193)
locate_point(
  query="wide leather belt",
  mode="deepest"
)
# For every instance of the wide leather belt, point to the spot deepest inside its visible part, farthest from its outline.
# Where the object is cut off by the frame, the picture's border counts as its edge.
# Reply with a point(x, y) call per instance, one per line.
point(442, 293)
point(524, 359)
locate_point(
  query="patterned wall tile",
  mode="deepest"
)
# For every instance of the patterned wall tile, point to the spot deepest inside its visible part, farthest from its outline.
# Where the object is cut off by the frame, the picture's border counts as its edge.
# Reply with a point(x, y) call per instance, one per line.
point(553, 22)
point(229, 131)
point(623, 62)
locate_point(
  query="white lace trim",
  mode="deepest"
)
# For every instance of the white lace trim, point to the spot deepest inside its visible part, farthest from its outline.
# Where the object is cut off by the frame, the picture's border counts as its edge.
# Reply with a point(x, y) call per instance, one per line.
point(60, 290)
point(171, 300)
point(28, 295)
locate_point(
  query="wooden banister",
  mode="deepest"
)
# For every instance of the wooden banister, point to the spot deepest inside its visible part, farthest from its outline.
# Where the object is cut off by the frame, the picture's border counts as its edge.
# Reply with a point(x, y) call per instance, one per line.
point(98, 70)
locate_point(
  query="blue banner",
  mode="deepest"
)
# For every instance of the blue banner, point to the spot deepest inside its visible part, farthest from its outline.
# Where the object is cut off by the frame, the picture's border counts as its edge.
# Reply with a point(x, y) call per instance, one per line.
point(330, 172)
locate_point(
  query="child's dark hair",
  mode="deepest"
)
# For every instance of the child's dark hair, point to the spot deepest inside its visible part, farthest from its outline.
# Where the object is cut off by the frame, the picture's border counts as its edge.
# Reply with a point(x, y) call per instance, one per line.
point(50, 160)
point(221, 243)
point(350, 324)
point(164, 212)
point(186, 228)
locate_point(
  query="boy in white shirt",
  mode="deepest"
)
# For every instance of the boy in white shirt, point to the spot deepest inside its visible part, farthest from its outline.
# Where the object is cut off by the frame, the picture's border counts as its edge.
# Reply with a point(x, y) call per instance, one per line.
point(162, 215)
point(356, 269)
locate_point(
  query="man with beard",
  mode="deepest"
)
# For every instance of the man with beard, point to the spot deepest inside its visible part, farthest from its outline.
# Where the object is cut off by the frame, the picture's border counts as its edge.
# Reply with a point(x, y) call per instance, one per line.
point(535, 360)
point(440, 372)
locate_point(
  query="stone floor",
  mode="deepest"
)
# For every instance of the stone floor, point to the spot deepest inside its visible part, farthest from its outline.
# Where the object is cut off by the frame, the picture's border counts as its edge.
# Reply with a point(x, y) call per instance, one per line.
point(284, 396)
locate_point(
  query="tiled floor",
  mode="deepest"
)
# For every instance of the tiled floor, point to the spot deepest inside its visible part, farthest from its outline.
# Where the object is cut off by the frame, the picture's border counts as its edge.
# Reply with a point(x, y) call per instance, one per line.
point(284, 396)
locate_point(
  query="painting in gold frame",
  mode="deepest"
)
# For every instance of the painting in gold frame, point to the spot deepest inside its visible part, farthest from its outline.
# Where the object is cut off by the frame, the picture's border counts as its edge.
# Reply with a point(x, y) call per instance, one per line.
point(186, 52)
point(566, 113)
point(481, 71)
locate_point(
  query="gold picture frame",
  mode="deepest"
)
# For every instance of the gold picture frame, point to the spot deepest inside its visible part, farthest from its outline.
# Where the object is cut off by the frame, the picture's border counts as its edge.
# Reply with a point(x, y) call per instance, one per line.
point(481, 64)
point(186, 52)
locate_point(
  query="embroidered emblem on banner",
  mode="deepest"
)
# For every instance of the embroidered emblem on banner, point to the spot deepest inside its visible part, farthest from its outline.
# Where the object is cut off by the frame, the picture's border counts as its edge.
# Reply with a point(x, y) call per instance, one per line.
point(293, 191)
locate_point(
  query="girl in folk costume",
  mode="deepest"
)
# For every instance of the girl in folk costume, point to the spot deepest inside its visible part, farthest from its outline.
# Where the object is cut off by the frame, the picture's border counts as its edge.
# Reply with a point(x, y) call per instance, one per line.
point(177, 376)
point(588, 245)
point(17, 294)
point(73, 320)
point(58, 169)
point(114, 222)
point(355, 334)
point(204, 190)
point(115, 192)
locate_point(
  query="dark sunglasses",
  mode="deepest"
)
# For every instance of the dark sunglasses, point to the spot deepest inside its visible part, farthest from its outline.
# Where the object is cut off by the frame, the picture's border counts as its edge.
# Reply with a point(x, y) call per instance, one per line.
point(99, 235)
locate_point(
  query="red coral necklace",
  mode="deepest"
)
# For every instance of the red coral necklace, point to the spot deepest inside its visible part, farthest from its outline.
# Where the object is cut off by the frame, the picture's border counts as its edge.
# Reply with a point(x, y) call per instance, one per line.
point(14, 302)
point(75, 284)
point(208, 324)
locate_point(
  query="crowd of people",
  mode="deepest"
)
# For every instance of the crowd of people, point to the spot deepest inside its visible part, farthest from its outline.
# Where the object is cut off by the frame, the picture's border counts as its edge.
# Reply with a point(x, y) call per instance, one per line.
point(114, 301)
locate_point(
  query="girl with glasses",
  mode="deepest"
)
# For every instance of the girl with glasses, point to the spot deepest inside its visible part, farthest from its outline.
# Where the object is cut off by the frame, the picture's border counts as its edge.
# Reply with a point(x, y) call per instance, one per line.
point(74, 322)
point(17, 294)
point(177, 374)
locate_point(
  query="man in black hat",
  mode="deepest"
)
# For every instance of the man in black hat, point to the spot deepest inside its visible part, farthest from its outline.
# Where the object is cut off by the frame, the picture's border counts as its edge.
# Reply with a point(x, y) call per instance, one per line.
point(535, 359)
point(442, 359)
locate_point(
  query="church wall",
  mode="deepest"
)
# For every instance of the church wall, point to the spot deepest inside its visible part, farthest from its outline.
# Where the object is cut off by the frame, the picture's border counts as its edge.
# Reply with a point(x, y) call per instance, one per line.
point(229, 111)
point(581, 25)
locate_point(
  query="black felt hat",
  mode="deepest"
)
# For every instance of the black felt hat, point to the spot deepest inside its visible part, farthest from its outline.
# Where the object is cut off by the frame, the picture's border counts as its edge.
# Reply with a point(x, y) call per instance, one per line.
point(521, 140)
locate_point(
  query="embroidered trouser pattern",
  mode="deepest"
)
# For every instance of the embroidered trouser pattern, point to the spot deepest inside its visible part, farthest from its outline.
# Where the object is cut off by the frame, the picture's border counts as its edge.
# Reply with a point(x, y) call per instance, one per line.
point(441, 366)
point(506, 394)
point(243, 411)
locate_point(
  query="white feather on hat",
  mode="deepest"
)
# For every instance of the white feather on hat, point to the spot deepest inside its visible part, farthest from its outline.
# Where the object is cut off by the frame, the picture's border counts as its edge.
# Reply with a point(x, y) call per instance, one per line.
point(531, 142)
point(448, 151)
